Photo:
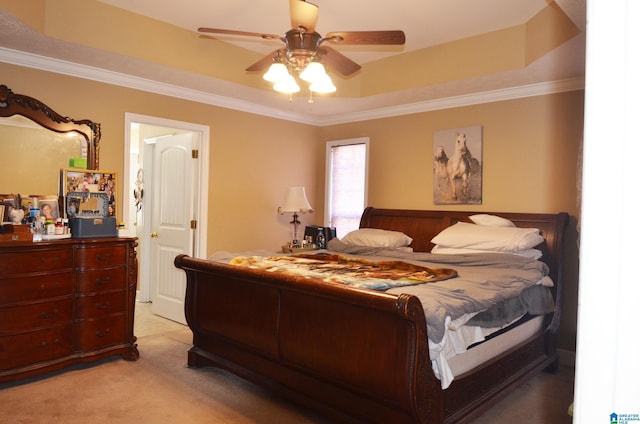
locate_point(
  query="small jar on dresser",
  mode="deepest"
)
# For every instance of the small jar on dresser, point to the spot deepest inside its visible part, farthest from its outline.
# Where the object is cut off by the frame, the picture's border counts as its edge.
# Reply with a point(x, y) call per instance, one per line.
point(66, 301)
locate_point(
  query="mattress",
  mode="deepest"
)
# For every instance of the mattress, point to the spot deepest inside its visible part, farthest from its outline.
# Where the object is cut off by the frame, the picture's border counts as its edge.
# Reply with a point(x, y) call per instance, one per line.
point(493, 347)
point(452, 358)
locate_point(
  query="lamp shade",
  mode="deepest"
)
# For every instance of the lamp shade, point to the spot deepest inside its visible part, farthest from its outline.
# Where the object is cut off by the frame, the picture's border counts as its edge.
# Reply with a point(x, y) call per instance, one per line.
point(295, 201)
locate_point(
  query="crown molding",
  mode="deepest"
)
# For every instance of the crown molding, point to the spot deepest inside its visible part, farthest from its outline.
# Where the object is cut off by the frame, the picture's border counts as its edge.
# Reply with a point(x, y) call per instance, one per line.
point(73, 69)
point(531, 90)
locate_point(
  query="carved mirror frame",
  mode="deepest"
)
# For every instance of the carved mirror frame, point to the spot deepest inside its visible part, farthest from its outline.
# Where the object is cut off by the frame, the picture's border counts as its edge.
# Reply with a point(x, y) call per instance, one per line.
point(33, 109)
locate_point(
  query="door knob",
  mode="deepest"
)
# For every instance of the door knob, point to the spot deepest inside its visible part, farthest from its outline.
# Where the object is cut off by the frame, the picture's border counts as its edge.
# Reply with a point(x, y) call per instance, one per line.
point(154, 234)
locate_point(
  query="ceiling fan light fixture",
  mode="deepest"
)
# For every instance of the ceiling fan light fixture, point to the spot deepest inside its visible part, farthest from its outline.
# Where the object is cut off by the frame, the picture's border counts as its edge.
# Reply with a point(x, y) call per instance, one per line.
point(323, 86)
point(314, 72)
point(287, 85)
point(277, 72)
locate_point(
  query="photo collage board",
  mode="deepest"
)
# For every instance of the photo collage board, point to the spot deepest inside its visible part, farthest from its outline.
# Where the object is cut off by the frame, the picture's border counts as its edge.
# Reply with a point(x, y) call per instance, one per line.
point(88, 192)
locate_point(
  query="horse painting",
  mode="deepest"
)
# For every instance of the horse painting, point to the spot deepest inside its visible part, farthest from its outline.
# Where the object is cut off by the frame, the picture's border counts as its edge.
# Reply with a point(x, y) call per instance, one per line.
point(458, 167)
point(440, 160)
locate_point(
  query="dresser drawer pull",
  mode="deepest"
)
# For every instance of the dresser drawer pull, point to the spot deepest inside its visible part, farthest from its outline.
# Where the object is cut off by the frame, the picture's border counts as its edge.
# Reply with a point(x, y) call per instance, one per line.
point(55, 284)
point(51, 259)
point(49, 315)
point(44, 343)
point(104, 257)
point(102, 282)
point(104, 305)
point(103, 334)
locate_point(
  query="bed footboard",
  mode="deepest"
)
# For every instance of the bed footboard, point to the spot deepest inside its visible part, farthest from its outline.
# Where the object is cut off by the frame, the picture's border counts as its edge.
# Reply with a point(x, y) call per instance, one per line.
point(351, 354)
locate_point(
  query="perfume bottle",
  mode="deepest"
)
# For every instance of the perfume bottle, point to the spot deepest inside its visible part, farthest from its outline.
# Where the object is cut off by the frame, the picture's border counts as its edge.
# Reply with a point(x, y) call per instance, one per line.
point(38, 228)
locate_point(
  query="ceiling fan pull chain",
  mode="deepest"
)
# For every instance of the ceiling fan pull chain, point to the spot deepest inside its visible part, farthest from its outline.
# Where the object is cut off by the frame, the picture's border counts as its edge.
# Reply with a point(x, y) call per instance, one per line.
point(310, 97)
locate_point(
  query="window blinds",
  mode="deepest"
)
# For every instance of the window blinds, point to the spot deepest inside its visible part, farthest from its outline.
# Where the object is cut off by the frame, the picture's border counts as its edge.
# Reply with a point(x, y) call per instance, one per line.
point(348, 168)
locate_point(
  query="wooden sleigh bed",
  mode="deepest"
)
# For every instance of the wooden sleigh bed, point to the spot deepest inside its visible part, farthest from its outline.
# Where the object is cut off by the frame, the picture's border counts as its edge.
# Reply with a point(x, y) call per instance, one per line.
point(357, 355)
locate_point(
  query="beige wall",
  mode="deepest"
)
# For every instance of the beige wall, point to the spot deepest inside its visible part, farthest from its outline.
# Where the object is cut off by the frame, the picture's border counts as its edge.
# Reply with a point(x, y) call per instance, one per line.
point(529, 157)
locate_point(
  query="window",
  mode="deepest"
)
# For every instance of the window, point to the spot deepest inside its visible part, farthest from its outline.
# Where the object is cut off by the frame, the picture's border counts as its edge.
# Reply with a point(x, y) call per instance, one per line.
point(346, 181)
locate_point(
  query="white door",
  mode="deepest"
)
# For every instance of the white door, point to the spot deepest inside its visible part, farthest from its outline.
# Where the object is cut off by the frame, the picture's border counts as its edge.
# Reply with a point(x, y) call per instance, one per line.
point(172, 192)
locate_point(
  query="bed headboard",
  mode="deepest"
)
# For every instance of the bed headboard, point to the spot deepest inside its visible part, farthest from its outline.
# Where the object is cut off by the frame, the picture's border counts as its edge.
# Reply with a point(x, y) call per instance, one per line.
point(422, 226)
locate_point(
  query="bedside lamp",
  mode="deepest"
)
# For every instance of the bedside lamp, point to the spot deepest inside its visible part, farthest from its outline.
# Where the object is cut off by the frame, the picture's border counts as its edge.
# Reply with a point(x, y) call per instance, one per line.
point(295, 201)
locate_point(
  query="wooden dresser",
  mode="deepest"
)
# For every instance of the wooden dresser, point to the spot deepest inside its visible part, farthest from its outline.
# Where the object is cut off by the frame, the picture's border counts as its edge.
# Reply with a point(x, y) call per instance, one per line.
point(64, 302)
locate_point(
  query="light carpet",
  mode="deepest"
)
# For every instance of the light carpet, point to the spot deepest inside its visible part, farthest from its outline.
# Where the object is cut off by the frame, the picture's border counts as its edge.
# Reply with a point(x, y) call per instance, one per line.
point(158, 388)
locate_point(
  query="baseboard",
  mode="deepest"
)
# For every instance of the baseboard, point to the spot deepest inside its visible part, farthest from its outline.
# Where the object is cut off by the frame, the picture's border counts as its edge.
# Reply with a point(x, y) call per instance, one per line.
point(566, 358)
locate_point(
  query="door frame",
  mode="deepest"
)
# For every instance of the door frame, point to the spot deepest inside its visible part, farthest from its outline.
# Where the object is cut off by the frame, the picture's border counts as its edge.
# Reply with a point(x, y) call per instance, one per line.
point(143, 293)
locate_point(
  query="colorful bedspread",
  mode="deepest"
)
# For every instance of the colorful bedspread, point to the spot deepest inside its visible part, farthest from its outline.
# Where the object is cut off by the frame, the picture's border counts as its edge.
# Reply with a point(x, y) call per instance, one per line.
point(354, 272)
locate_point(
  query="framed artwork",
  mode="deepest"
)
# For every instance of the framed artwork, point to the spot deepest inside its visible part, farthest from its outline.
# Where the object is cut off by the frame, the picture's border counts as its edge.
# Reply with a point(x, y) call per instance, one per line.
point(74, 182)
point(457, 166)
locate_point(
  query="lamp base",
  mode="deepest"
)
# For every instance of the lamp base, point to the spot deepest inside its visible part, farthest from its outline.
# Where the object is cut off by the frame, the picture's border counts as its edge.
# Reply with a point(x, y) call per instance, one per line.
point(296, 225)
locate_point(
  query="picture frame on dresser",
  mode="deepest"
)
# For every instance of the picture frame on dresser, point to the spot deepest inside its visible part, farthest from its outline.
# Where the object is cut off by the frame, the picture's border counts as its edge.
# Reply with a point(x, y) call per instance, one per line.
point(9, 203)
point(49, 208)
point(72, 203)
point(87, 204)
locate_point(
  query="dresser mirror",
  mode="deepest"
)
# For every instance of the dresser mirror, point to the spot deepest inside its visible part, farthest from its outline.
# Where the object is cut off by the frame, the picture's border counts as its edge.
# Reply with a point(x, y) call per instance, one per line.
point(36, 143)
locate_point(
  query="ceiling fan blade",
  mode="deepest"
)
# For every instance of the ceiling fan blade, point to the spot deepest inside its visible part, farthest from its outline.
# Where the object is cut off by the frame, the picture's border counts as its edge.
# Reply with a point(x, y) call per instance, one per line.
point(234, 32)
point(303, 14)
point(366, 37)
point(263, 63)
point(338, 61)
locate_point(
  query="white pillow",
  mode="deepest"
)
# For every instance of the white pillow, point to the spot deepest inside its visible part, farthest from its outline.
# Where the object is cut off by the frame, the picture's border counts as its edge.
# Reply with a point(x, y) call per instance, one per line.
point(374, 237)
point(480, 237)
point(527, 253)
point(491, 220)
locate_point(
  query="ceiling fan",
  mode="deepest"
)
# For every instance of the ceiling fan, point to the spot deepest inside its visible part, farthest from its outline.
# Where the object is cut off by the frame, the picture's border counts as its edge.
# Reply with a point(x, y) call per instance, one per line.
point(303, 45)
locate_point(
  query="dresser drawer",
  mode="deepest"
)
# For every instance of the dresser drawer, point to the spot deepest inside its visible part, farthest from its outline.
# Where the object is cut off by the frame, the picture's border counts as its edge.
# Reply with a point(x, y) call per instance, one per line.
point(20, 319)
point(22, 289)
point(100, 305)
point(100, 257)
point(38, 346)
point(101, 280)
point(28, 262)
point(99, 333)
